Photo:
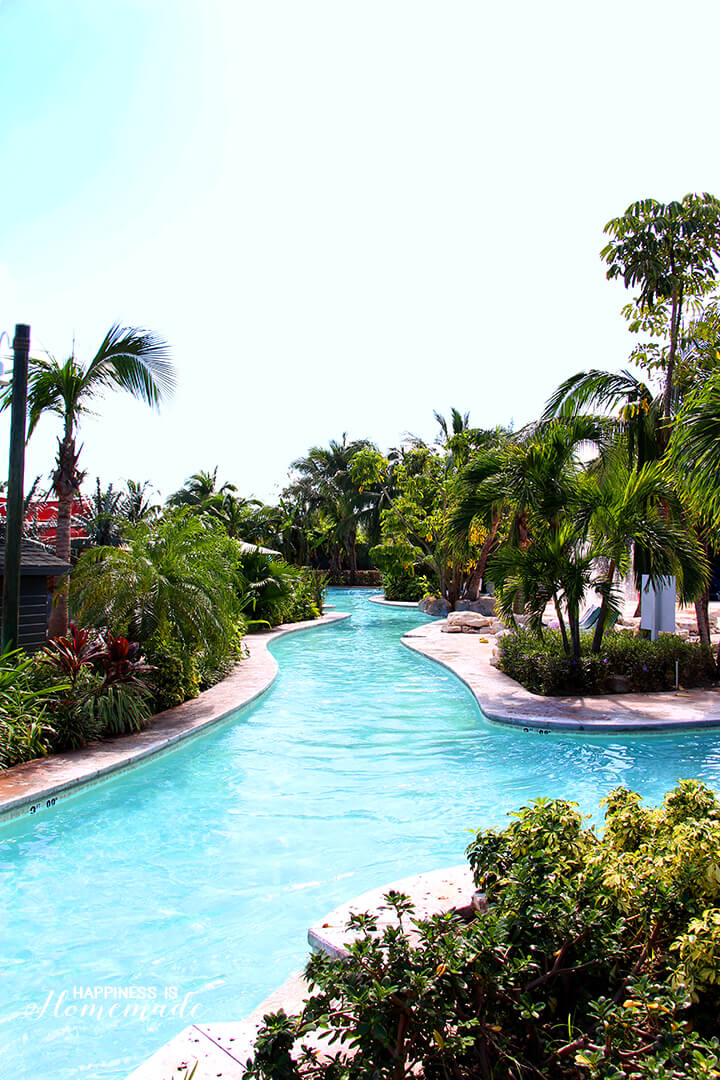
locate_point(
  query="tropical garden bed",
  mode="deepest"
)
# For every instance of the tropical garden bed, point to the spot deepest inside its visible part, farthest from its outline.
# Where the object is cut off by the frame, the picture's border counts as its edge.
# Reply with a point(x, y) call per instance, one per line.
point(625, 663)
point(583, 957)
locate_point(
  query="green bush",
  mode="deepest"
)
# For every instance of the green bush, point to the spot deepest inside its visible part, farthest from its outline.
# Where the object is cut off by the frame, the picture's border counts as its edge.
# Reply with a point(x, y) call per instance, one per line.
point(26, 729)
point(589, 957)
point(540, 664)
point(175, 677)
point(401, 586)
point(306, 596)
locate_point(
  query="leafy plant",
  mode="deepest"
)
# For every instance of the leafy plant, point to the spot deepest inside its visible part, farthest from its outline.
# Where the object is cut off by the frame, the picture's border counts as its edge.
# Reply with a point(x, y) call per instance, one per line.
point(107, 687)
point(589, 958)
point(542, 666)
point(26, 731)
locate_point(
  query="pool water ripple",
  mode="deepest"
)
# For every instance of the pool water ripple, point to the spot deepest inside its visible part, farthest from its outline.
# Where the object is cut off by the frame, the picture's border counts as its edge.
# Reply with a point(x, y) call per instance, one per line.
point(196, 875)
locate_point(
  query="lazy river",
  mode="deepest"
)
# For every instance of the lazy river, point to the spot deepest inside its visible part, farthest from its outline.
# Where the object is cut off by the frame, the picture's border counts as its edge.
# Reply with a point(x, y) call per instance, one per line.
point(180, 891)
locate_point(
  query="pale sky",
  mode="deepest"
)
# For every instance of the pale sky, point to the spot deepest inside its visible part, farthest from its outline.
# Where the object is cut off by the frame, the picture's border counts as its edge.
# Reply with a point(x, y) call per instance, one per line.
point(340, 215)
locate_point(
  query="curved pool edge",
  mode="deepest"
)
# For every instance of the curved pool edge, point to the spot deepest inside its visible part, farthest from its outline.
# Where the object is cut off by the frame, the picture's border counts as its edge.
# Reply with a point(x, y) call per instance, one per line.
point(380, 599)
point(36, 785)
point(222, 1049)
point(503, 701)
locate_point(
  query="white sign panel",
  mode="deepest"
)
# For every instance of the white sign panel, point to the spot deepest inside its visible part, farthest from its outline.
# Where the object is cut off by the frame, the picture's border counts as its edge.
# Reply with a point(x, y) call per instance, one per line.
point(658, 606)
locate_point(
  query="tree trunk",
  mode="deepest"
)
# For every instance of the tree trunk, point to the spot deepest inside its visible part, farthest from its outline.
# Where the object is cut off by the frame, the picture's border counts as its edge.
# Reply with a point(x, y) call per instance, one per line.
point(472, 588)
point(602, 617)
point(574, 620)
point(561, 622)
point(353, 557)
point(703, 618)
point(66, 484)
point(675, 316)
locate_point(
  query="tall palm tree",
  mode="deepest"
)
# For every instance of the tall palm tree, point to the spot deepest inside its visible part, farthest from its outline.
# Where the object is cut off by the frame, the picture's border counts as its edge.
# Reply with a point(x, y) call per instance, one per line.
point(128, 359)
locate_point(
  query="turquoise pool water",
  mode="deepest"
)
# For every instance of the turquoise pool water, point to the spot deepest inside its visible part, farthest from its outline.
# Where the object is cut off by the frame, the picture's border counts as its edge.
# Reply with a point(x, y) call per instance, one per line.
point(181, 891)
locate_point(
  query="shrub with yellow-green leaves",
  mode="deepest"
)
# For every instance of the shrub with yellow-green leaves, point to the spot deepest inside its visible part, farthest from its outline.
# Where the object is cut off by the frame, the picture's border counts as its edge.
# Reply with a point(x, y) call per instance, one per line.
point(593, 957)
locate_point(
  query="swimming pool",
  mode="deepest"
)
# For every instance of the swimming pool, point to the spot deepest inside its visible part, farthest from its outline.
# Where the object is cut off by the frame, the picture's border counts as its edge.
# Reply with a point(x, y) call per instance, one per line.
point(181, 891)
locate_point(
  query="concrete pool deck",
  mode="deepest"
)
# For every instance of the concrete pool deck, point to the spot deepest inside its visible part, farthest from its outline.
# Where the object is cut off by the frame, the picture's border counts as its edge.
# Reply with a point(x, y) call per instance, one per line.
point(38, 785)
point(504, 701)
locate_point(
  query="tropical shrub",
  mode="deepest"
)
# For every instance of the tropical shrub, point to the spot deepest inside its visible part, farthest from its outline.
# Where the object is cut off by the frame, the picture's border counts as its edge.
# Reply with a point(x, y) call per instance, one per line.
point(306, 597)
point(587, 957)
point(26, 731)
point(274, 592)
point(177, 580)
point(106, 691)
point(541, 665)
point(175, 676)
point(399, 586)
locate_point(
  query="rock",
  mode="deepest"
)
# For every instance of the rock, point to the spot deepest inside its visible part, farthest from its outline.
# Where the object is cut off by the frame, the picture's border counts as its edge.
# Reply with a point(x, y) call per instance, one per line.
point(452, 630)
point(434, 605)
point(484, 605)
point(471, 620)
point(496, 626)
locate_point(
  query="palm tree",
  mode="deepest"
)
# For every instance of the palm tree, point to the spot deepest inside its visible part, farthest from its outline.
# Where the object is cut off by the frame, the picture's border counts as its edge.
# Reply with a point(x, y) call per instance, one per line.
point(528, 488)
point(128, 359)
point(200, 487)
point(628, 510)
point(326, 480)
point(175, 579)
point(136, 502)
point(642, 420)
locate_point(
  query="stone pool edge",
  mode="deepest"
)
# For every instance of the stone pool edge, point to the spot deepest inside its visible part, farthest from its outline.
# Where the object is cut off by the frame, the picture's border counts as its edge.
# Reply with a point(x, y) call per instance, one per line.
point(40, 783)
point(504, 701)
point(222, 1049)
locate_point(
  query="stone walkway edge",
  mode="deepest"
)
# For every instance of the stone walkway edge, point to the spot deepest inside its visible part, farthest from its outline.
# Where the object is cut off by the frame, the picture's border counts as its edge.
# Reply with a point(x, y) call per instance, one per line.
point(37, 786)
point(505, 701)
point(222, 1049)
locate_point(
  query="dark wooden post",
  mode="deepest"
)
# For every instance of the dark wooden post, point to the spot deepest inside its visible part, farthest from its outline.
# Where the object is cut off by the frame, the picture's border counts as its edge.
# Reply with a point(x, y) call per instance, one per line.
point(15, 492)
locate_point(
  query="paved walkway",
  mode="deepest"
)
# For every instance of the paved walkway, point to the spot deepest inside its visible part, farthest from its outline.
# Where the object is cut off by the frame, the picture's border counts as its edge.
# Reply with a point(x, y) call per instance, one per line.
point(505, 701)
point(38, 785)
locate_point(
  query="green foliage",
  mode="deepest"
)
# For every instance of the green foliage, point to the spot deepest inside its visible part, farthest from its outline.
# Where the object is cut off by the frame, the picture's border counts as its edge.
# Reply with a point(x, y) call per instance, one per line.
point(106, 692)
point(400, 586)
point(542, 666)
point(175, 675)
point(26, 731)
point(592, 959)
point(397, 559)
point(306, 596)
point(176, 579)
point(122, 709)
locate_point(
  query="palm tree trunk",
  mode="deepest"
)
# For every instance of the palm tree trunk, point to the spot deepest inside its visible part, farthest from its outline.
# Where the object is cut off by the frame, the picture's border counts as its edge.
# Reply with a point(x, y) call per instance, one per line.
point(66, 482)
point(574, 620)
point(602, 617)
point(703, 618)
point(352, 541)
point(561, 623)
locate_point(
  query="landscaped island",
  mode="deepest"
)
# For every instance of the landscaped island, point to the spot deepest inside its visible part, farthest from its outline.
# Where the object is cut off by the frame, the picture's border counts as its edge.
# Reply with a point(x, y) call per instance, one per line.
point(582, 956)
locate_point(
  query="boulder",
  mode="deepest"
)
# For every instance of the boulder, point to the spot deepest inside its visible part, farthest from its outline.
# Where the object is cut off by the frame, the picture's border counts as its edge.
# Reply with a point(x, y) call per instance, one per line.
point(470, 620)
point(452, 630)
point(484, 605)
point(434, 605)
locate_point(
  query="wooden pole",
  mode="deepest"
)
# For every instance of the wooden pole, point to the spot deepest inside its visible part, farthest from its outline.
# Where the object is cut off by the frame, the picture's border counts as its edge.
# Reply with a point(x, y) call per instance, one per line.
point(15, 492)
